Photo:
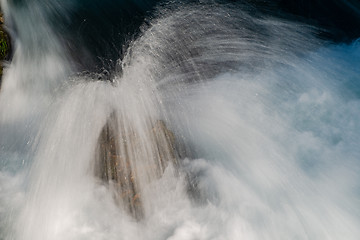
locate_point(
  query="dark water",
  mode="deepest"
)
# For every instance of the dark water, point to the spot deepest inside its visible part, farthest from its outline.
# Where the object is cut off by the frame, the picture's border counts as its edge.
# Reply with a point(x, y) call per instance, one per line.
point(98, 33)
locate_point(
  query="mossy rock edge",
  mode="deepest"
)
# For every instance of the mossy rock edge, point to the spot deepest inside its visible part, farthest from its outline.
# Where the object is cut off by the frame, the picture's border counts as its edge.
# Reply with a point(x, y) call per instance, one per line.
point(5, 46)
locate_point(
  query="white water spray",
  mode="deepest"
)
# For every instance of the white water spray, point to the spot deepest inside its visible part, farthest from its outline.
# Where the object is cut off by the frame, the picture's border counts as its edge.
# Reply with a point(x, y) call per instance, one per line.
point(268, 118)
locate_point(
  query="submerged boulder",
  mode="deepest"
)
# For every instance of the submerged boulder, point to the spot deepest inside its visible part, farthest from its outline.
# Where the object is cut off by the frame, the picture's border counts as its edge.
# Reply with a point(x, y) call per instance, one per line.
point(124, 155)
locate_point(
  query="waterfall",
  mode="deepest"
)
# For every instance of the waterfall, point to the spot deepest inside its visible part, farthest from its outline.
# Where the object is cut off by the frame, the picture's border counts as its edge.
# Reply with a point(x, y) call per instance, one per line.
point(214, 122)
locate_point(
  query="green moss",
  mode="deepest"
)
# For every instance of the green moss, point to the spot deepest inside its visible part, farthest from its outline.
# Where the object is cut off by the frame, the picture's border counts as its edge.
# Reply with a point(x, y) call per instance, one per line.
point(4, 48)
point(4, 45)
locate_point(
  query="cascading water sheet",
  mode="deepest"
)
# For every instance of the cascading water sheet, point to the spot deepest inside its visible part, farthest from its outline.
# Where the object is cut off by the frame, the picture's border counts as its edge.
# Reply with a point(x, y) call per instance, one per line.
point(217, 122)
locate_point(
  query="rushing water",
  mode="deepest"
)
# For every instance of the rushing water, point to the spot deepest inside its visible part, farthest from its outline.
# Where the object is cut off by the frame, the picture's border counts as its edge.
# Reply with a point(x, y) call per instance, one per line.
point(267, 115)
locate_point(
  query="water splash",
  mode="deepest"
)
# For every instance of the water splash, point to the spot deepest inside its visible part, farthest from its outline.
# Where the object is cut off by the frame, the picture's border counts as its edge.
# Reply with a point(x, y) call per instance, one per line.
point(266, 114)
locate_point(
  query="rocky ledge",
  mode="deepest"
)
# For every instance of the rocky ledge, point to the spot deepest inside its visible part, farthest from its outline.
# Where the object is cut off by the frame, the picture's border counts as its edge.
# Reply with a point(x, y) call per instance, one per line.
point(5, 46)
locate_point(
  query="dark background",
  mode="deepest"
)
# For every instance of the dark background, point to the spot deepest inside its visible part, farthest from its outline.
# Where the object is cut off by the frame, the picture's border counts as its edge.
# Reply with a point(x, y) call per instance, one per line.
point(98, 32)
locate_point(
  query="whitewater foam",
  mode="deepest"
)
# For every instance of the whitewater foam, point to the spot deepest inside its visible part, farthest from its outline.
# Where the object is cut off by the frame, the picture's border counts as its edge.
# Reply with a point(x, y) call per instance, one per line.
point(268, 115)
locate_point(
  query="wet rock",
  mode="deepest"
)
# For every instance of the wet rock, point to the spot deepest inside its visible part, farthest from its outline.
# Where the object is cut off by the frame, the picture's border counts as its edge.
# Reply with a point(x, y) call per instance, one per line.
point(4, 45)
point(119, 153)
point(165, 142)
